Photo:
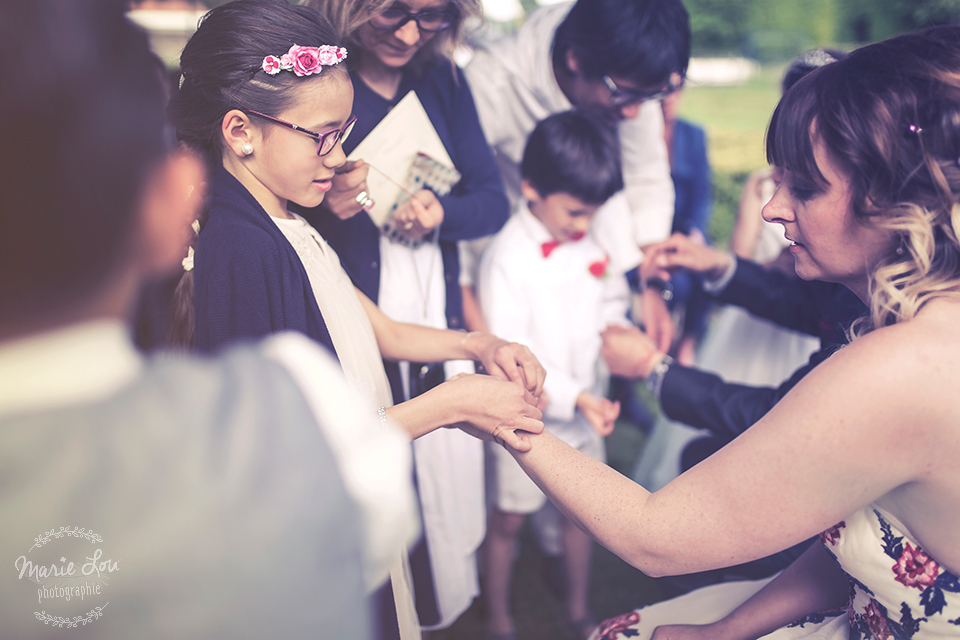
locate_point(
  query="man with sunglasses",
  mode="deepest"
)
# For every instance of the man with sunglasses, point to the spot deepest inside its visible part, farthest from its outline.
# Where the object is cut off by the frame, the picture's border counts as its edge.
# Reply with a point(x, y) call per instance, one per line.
point(616, 58)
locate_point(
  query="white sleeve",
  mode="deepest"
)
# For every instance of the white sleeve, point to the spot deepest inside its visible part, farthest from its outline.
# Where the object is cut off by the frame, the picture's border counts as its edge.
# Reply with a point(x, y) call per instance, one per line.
point(374, 459)
point(490, 84)
point(607, 229)
point(646, 175)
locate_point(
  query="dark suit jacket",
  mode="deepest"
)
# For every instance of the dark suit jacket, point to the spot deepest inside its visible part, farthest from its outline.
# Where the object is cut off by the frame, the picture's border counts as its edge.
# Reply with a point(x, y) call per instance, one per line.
point(822, 309)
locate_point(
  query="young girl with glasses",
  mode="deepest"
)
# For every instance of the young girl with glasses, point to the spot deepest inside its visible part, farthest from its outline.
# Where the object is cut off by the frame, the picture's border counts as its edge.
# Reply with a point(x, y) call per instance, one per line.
point(413, 272)
point(267, 99)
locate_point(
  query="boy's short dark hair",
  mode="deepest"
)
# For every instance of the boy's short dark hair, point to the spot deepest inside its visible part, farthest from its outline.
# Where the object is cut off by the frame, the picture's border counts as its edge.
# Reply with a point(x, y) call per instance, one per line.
point(570, 152)
point(641, 40)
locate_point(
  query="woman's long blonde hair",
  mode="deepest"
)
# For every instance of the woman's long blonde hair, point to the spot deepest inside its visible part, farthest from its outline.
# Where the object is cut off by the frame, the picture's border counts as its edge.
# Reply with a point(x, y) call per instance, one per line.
point(349, 15)
point(889, 116)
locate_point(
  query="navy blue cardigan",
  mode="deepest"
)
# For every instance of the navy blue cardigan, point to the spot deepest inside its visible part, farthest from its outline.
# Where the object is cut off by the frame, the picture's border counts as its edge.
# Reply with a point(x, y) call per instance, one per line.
point(476, 207)
point(248, 280)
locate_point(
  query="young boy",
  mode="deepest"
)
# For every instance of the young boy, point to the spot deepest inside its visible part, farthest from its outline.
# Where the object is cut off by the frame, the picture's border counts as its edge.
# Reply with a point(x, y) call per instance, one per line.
point(544, 280)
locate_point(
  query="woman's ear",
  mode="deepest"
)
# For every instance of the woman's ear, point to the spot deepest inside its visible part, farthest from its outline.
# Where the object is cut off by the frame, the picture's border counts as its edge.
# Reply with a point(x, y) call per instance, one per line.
point(171, 203)
point(239, 135)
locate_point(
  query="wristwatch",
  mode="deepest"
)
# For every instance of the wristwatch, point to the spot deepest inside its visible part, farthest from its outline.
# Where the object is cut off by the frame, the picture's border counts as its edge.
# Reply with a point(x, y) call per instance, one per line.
point(655, 379)
point(663, 286)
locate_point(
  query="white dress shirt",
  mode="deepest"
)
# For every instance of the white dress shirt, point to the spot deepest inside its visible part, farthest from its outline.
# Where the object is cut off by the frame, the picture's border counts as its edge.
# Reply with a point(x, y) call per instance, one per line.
point(554, 305)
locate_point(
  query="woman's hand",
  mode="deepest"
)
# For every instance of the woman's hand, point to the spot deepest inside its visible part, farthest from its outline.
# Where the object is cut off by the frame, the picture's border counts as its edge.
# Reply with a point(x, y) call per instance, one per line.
point(680, 251)
point(629, 352)
point(495, 410)
point(506, 360)
point(349, 181)
point(419, 215)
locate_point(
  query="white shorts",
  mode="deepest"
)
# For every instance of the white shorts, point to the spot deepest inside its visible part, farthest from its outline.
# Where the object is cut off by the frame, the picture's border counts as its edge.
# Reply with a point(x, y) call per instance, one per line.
point(511, 490)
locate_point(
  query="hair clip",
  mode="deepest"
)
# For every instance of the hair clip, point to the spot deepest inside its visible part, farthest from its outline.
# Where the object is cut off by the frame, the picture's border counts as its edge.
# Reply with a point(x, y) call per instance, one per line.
point(915, 129)
point(304, 61)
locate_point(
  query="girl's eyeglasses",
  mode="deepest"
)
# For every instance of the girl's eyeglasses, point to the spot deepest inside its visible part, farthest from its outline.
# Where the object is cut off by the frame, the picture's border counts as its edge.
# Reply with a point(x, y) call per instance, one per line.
point(429, 21)
point(326, 141)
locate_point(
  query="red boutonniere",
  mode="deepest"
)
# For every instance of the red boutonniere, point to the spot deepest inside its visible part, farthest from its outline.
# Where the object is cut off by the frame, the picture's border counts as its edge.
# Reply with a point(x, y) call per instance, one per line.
point(598, 269)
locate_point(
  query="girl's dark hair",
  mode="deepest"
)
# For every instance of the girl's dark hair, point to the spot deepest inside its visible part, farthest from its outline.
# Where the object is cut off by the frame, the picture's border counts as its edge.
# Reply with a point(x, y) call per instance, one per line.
point(571, 152)
point(80, 136)
point(221, 71)
point(888, 115)
point(642, 40)
point(221, 67)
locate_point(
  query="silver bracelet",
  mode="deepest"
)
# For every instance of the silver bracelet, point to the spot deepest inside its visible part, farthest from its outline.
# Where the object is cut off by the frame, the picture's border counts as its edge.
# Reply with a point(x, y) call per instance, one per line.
point(655, 379)
point(382, 412)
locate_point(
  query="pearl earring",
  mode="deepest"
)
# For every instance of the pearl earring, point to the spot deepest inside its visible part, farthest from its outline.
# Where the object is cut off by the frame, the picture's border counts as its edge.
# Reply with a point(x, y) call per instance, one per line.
point(247, 148)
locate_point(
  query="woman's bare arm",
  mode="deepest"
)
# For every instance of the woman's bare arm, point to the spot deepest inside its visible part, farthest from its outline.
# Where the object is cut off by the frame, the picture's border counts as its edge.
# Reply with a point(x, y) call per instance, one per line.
point(852, 431)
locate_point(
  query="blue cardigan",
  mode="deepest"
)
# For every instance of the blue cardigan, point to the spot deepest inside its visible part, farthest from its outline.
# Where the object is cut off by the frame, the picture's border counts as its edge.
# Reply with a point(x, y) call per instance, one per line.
point(476, 207)
point(248, 281)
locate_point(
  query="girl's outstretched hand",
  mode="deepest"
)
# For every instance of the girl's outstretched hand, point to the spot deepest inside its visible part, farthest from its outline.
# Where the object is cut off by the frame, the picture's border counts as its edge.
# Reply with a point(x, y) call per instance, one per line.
point(506, 360)
point(496, 410)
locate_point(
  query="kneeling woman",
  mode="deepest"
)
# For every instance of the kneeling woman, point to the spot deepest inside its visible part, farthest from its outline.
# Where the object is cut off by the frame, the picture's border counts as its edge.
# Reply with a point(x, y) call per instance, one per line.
point(865, 448)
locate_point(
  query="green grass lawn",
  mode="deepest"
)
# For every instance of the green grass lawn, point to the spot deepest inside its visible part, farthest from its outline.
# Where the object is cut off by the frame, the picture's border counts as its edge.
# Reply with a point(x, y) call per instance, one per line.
point(735, 119)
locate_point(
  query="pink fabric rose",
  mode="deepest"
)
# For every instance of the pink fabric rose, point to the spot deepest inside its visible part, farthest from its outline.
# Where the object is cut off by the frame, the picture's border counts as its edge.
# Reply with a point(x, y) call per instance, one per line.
point(271, 64)
point(327, 54)
point(305, 60)
point(915, 568)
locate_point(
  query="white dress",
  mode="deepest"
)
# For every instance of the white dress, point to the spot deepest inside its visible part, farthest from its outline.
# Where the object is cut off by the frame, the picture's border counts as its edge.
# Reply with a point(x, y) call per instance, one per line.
point(738, 347)
point(353, 338)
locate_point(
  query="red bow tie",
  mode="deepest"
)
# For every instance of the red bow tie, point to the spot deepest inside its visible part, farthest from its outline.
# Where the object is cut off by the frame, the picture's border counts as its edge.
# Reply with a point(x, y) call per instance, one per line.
point(548, 247)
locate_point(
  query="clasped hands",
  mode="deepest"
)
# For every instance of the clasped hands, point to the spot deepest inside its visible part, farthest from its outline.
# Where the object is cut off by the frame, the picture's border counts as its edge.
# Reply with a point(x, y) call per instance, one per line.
point(502, 405)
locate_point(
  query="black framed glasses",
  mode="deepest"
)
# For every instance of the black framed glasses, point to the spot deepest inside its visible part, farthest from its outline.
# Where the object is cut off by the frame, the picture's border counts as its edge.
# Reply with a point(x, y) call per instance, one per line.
point(620, 97)
point(326, 141)
point(429, 21)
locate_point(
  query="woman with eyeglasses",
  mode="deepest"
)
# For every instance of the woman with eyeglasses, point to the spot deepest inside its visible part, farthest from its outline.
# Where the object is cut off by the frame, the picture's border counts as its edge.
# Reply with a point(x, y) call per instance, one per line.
point(398, 47)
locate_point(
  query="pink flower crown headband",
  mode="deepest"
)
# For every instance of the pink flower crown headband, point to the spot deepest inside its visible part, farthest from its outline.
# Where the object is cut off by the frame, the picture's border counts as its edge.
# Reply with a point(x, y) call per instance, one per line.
point(305, 61)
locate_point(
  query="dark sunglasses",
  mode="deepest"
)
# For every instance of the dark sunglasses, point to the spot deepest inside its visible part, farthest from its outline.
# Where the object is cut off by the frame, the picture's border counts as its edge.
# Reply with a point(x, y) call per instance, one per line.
point(620, 97)
point(429, 21)
point(326, 141)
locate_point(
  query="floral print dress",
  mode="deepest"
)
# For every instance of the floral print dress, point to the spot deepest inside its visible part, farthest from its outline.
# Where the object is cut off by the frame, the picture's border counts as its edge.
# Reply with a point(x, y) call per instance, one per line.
point(897, 592)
